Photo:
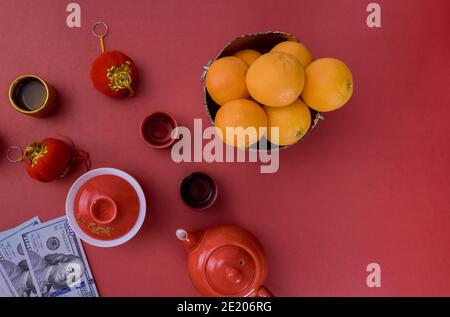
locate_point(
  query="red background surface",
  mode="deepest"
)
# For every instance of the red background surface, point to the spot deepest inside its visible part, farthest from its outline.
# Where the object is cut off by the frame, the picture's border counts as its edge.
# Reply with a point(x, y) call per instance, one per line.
point(371, 184)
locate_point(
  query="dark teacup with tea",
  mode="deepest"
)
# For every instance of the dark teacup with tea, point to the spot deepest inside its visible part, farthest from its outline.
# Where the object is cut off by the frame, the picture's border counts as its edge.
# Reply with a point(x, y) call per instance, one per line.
point(198, 191)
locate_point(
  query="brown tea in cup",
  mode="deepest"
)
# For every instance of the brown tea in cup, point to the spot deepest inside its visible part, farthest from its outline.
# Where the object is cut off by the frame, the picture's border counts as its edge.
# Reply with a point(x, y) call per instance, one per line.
point(31, 95)
point(198, 191)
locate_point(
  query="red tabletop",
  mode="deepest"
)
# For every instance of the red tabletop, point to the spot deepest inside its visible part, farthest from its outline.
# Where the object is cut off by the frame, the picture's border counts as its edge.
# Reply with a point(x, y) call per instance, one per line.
point(370, 184)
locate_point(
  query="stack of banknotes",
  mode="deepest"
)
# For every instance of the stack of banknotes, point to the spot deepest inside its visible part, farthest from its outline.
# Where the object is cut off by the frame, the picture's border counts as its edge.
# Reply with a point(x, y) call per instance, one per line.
point(44, 260)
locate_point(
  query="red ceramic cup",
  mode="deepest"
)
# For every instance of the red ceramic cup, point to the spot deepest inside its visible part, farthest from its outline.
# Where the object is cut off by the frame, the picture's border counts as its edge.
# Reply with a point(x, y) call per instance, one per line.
point(103, 210)
point(156, 129)
point(198, 191)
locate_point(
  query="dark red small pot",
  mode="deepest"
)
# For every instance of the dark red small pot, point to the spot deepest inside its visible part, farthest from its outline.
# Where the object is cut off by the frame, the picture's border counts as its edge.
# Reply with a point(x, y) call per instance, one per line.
point(198, 191)
point(156, 129)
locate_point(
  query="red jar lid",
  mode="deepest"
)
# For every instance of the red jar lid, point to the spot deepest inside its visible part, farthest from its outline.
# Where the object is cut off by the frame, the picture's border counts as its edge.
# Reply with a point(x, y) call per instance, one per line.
point(230, 270)
point(106, 207)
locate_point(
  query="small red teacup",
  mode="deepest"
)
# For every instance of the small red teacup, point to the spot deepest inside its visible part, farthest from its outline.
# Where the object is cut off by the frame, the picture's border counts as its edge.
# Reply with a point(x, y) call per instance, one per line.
point(103, 210)
point(156, 129)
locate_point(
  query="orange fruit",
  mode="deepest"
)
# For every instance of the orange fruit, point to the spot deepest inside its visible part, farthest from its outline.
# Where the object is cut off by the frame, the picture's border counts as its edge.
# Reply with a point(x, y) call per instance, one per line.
point(292, 121)
point(245, 115)
point(248, 56)
point(225, 79)
point(296, 49)
point(275, 79)
point(329, 84)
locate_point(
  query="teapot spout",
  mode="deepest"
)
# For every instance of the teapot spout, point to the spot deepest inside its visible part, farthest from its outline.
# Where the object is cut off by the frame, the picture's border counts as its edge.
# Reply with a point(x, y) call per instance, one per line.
point(189, 239)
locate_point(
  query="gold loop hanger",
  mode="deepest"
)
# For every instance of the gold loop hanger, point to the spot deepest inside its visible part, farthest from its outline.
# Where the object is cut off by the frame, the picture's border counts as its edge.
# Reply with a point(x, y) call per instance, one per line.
point(101, 36)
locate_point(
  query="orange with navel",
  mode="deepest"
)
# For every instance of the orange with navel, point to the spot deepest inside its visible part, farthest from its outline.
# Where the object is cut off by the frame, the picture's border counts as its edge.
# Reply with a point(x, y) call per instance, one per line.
point(248, 56)
point(247, 118)
point(296, 49)
point(292, 121)
point(225, 79)
point(275, 79)
point(329, 85)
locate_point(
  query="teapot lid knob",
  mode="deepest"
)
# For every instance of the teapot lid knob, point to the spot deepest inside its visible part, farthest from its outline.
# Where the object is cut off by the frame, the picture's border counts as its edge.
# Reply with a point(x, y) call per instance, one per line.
point(231, 270)
point(234, 275)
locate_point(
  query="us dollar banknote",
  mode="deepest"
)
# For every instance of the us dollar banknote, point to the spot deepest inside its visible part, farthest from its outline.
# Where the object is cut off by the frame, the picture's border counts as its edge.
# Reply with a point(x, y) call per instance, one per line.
point(13, 261)
point(6, 288)
point(57, 261)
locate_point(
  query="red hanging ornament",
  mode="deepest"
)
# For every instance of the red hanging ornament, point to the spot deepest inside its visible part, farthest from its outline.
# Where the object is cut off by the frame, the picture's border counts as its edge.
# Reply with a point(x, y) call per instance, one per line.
point(49, 159)
point(113, 73)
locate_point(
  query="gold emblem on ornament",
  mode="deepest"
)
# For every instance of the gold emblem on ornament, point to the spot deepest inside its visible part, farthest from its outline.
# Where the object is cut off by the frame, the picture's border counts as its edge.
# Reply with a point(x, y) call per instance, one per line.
point(120, 77)
point(35, 151)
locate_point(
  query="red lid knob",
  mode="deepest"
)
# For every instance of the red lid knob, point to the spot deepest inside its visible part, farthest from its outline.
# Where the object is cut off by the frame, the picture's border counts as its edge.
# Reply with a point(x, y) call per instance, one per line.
point(230, 270)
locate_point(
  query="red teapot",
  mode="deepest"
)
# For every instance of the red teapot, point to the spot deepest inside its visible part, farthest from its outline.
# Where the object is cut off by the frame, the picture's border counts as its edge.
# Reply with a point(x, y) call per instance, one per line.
point(226, 261)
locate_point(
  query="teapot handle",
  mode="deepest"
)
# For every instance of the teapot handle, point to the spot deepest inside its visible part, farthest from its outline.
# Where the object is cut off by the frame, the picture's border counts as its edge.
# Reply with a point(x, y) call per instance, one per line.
point(263, 292)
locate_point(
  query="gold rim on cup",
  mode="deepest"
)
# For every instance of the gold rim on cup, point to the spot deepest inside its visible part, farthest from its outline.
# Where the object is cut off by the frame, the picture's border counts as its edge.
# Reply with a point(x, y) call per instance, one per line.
point(44, 109)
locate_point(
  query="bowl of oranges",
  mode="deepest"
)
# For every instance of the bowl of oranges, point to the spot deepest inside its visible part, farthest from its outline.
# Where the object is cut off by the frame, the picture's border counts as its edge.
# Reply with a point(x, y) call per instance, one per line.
point(271, 82)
